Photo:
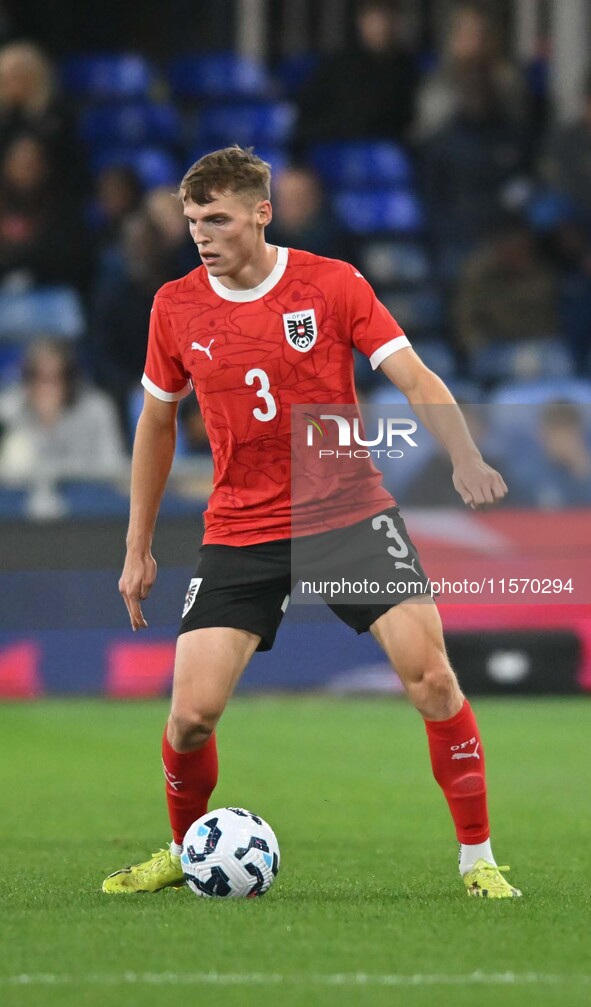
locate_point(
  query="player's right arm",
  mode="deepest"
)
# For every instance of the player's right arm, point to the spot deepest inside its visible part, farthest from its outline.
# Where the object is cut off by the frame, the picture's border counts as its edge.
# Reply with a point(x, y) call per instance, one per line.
point(153, 453)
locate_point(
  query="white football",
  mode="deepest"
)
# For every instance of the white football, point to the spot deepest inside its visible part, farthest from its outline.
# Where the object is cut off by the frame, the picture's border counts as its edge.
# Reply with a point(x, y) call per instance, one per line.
point(230, 853)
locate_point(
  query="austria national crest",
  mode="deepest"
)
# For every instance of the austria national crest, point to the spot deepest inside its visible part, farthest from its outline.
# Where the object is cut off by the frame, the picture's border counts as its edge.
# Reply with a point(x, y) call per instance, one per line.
point(300, 329)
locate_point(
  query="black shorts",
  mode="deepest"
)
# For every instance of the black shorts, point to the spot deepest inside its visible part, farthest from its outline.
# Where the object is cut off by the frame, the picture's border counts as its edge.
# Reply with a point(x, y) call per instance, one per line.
point(248, 587)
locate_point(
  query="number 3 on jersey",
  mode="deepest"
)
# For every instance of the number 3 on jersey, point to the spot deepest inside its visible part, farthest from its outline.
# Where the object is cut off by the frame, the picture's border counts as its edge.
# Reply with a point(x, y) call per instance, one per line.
point(257, 374)
point(400, 550)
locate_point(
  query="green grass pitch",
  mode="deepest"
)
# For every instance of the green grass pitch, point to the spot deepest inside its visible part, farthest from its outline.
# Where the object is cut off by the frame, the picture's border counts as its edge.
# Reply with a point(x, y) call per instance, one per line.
point(367, 908)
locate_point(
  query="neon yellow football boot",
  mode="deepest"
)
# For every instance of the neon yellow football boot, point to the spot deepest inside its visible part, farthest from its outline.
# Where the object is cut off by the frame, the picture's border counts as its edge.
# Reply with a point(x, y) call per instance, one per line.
point(485, 881)
point(162, 870)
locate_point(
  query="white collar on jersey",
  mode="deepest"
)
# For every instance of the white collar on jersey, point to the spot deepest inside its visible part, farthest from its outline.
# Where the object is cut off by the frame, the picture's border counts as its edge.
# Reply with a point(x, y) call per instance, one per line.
point(253, 293)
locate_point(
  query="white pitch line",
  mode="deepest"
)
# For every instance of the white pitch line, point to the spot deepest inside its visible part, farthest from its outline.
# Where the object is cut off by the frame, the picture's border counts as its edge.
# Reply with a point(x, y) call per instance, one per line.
point(278, 979)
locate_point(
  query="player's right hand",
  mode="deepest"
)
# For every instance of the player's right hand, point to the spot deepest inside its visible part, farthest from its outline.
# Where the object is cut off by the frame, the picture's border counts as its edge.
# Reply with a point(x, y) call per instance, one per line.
point(135, 584)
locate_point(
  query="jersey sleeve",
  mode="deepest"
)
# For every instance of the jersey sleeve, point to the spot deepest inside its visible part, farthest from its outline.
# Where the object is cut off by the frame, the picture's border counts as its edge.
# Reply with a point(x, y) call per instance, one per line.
point(164, 374)
point(373, 329)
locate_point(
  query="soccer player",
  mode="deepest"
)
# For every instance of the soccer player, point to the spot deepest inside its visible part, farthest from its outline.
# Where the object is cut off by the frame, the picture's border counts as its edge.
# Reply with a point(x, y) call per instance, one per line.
point(225, 330)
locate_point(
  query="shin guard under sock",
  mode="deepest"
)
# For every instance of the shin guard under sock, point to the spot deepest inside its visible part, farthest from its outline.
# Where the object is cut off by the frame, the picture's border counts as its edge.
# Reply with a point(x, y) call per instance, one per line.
point(190, 780)
point(457, 759)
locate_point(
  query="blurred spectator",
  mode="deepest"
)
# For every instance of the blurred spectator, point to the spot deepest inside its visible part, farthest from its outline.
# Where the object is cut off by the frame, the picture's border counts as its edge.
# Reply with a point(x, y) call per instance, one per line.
point(165, 211)
point(121, 309)
point(565, 161)
point(41, 235)
point(366, 92)
point(473, 43)
point(54, 424)
point(467, 167)
point(30, 102)
point(118, 194)
point(506, 291)
point(555, 471)
point(567, 245)
point(302, 218)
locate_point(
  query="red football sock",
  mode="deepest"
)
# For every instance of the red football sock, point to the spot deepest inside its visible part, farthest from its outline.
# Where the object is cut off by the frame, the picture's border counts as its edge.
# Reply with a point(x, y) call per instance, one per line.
point(190, 780)
point(458, 766)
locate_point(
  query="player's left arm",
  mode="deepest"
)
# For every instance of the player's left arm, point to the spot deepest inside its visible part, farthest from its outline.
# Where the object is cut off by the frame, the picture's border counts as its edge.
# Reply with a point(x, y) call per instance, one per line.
point(477, 483)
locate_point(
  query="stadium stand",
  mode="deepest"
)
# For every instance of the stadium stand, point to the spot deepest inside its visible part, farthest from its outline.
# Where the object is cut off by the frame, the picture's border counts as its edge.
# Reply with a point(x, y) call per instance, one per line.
point(58, 311)
point(393, 211)
point(262, 123)
point(156, 116)
point(99, 77)
point(532, 359)
point(293, 71)
point(388, 261)
point(515, 406)
point(154, 166)
point(218, 76)
point(362, 163)
point(136, 122)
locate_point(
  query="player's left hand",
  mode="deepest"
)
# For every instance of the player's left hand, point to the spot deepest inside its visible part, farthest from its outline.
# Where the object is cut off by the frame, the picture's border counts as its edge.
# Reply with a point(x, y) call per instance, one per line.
point(478, 484)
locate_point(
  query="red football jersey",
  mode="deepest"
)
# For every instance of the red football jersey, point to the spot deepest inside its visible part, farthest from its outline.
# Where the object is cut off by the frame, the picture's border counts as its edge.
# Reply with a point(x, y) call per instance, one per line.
point(252, 354)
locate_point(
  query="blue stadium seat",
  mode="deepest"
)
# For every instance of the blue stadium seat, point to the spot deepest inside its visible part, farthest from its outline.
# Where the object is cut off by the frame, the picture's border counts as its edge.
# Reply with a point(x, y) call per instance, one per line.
point(529, 360)
point(541, 392)
point(362, 163)
point(13, 503)
point(537, 75)
point(137, 122)
point(438, 356)
point(547, 208)
point(11, 361)
point(515, 406)
point(398, 211)
point(84, 498)
point(108, 76)
point(219, 75)
point(153, 165)
point(466, 391)
point(293, 71)
point(275, 156)
point(394, 262)
point(53, 311)
point(419, 311)
point(268, 123)
point(135, 404)
point(383, 391)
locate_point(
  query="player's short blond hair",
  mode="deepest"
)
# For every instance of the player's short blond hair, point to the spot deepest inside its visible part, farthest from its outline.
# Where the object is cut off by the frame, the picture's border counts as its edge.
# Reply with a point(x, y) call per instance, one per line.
point(230, 170)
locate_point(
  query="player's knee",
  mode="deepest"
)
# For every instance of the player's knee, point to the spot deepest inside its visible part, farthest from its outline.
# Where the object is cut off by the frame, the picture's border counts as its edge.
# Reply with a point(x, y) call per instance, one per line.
point(439, 689)
point(438, 677)
point(189, 729)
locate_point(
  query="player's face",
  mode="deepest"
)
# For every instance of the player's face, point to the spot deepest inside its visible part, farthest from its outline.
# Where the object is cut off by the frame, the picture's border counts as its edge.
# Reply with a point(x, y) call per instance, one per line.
point(228, 231)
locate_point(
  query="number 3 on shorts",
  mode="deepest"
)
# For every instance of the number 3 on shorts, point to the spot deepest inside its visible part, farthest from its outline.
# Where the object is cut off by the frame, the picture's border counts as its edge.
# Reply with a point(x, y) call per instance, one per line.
point(257, 374)
point(401, 548)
